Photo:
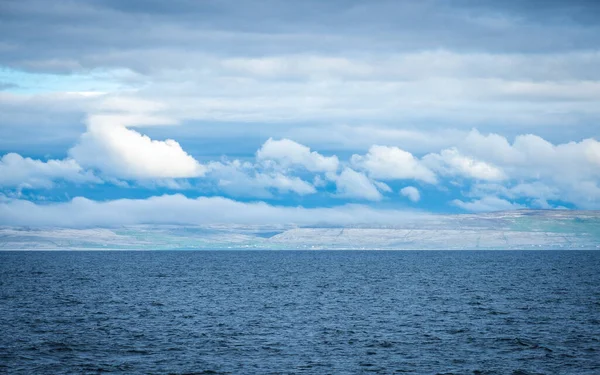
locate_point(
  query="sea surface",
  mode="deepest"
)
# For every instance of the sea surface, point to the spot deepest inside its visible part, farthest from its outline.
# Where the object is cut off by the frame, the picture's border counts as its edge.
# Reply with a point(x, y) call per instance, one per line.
point(295, 312)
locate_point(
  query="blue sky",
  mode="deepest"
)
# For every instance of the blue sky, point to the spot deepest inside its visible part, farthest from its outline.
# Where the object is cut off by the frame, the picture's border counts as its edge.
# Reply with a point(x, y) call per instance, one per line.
point(395, 108)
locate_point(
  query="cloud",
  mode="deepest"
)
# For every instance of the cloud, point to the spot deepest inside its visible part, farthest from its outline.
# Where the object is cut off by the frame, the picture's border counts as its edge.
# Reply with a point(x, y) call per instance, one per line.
point(570, 170)
point(20, 172)
point(411, 193)
point(452, 162)
point(355, 185)
point(345, 137)
point(382, 186)
point(248, 180)
point(487, 204)
point(392, 163)
point(117, 151)
point(42, 123)
point(531, 154)
point(228, 28)
point(178, 209)
point(528, 74)
point(284, 183)
point(530, 190)
point(288, 153)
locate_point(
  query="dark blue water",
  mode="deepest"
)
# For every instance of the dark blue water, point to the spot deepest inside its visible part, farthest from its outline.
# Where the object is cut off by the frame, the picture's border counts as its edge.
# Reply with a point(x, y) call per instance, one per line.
point(300, 312)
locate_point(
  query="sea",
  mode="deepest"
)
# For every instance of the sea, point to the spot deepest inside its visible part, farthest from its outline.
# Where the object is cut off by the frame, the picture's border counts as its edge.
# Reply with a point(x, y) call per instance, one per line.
point(300, 312)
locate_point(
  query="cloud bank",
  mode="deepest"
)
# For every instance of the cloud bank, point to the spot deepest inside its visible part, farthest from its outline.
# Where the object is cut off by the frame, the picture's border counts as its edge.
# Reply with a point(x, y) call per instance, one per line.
point(178, 209)
point(491, 172)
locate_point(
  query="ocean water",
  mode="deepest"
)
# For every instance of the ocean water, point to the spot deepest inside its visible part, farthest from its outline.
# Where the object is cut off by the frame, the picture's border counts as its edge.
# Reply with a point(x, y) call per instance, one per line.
point(322, 312)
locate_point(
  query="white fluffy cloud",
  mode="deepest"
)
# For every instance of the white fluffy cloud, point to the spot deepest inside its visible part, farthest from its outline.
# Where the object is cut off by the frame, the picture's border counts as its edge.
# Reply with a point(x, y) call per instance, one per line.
point(245, 179)
point(288, 153)
point(452, 162)
point(355, 185)
point(285, 183)
point(177, 209)
point(392, 163)
point(411, 193)
point(111, 147)
point(532, 156)
point(17, 171)
point(569, 170)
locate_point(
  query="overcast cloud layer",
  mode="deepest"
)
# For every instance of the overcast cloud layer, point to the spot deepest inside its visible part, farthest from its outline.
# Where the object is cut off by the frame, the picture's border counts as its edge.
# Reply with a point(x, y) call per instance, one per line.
point(398, 106)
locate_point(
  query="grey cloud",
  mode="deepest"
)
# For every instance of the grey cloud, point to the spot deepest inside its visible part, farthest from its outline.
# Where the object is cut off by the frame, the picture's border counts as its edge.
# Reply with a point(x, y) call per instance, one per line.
point(426, 65)
point(541, 11)
point(91, 34)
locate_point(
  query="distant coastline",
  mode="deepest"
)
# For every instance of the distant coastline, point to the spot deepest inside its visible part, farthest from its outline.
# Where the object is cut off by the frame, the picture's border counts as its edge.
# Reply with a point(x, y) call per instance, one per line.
point(517, 230)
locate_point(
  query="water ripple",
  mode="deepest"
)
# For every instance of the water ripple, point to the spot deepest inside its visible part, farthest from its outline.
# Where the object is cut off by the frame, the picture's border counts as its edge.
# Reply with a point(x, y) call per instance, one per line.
point(300, 312)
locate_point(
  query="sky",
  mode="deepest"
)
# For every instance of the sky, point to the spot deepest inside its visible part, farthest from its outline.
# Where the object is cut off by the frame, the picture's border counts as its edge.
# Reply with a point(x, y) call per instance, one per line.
point(304, 112)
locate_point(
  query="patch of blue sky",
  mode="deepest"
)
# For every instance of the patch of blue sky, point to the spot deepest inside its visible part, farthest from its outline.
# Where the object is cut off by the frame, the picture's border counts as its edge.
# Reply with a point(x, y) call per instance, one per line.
point(94, 81)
